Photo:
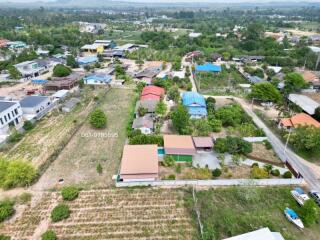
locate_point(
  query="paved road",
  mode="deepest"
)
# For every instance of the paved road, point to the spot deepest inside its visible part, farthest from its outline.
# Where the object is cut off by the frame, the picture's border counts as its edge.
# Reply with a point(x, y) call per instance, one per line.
point(309, 171)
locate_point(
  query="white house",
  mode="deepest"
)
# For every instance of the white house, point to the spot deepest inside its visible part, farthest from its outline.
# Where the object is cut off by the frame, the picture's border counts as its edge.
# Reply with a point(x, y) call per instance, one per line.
point(10, 115)
point(35, 107)
point(30, 69)
point(261, 234)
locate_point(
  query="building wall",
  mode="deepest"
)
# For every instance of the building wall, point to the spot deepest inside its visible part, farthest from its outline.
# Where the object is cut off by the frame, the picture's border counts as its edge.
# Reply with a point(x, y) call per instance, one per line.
point(12, 116)
point(182, 158)
point(39, 108)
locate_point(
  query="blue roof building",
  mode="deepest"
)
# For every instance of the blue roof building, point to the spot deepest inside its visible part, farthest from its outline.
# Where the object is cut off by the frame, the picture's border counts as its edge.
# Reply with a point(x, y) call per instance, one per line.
point(195, 103)
point(208, 67)
point(98, 79)
point(87, 60)
point(255, 79)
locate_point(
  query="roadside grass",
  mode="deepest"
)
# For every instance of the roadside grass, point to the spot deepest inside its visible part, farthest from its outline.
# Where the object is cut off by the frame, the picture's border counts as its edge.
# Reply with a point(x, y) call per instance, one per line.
point(227, 212)
point(77, 163)
point(49, 135)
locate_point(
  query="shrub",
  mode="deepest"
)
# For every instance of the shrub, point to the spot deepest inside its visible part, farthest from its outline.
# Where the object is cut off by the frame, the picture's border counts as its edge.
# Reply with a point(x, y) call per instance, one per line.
point(98, 118)
point(15, 137)
point(69, 193)
point(267, 144)
point(28, 125)
point(216, 172)
point(178, 168)
point(60, 212)
point(254, 165)
point(287, 174)
point(171, 177)
point(61, 71)
point(268, 167)
point(3, 237)
point(6, 209)
point(259, 173)
point(99, 168)
point(49, 235)
point(168, 161)
point(146, 139)
point(309, 213)
point(16, 173)
point(25, 198)
point(275, 172)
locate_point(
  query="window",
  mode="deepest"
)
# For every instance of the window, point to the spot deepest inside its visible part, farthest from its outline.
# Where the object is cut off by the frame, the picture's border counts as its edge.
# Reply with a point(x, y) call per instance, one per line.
point(9, 116)
point(5, 119)
point(1, 121)
point(12, 112)
point(16, 111)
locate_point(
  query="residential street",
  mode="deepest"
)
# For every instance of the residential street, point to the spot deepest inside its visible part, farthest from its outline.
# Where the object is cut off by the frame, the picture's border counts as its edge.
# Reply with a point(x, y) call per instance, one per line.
point(309, 171)
point(184, 63)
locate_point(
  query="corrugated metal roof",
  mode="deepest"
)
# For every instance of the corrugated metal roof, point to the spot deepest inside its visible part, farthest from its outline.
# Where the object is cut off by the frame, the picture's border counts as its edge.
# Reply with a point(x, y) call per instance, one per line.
point(307, 104)
point(193, 99)
point(32, 101)
point(208, 67)
point(4, 105)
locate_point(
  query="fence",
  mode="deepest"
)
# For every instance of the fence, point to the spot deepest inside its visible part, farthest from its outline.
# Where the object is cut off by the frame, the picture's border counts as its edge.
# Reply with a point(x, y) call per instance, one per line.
point(213, 183)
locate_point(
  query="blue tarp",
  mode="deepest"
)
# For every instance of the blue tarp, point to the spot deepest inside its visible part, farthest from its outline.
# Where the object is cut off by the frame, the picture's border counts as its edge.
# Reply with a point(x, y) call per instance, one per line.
point(39, 81)
point(87, 60)
point(291, 213)
point(208, 67)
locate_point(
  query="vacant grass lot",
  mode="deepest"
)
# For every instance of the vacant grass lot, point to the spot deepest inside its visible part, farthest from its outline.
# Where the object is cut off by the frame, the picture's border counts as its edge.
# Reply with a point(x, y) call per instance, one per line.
point(77, 163)
point(233, 211)
point(107, 214)
point(49, 135)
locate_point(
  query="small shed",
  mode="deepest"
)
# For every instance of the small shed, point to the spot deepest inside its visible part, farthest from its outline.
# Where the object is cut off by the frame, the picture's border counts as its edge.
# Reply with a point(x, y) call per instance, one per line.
point(203, 143)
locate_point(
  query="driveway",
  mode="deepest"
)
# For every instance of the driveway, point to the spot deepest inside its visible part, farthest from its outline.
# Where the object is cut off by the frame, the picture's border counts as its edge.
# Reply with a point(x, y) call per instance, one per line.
point(203, 159)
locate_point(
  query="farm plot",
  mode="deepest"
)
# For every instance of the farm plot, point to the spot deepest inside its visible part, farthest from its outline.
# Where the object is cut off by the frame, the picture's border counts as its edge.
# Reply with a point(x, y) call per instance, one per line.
point(111, 214)
point(49, 135)
point(77, 163)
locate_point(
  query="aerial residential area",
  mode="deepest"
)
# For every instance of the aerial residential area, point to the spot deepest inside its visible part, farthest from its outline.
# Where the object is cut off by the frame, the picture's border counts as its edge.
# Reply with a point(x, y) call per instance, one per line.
point(159, 120)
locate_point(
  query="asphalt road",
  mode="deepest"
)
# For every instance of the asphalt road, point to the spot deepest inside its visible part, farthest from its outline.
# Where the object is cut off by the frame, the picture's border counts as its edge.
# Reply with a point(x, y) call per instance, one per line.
point(309, 171)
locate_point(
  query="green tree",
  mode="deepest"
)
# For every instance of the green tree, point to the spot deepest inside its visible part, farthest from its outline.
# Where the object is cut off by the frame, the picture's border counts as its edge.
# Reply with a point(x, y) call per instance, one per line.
point(265, 92)
point(13, 72)
point(309, 213)
point(200, 127)
point(306, 138)
point(161, 108)
point(173, 94)
point(28, 125)
point(294, 82)
point(71, 62)
point(180, 118)
point(98, 119)
point(215, 124)
point(61, 70)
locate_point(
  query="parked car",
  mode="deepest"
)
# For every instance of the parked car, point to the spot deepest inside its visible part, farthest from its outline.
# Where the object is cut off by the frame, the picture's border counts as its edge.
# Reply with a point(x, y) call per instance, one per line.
point(316, 196)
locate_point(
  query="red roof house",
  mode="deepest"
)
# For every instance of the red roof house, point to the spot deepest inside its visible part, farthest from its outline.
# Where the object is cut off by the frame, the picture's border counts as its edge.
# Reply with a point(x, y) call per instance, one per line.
point(300, 119)
point(152, 92)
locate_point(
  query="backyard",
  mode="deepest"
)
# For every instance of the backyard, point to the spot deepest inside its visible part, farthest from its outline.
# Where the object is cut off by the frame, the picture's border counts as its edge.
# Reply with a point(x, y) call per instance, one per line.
point(232, 211)
point(77, 163)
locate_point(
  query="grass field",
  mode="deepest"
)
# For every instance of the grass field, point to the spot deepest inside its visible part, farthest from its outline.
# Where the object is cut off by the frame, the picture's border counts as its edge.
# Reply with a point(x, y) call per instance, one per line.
point(233, 211)
point(108, 214)
point(50, 135)
point(77, 163)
